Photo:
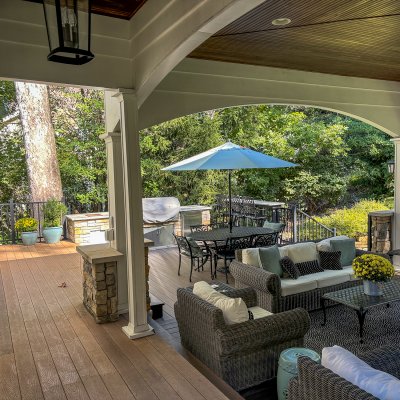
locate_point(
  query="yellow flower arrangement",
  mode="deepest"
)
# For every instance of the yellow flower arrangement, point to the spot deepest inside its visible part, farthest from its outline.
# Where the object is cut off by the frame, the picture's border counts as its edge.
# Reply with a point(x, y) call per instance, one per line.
point(26, 225)
point(373, 268)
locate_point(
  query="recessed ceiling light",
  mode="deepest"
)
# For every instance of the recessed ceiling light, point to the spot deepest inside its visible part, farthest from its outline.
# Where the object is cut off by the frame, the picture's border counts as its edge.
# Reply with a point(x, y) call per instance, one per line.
point(281, 21)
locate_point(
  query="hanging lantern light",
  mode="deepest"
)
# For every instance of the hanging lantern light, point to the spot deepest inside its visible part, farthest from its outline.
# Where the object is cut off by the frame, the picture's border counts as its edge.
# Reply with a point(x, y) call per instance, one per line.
point(69, 38)
point(391, 165)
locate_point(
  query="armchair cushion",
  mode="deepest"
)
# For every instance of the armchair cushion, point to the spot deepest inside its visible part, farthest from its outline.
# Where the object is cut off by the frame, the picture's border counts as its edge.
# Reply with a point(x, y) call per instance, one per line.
point(345, 364)
point(234, 310)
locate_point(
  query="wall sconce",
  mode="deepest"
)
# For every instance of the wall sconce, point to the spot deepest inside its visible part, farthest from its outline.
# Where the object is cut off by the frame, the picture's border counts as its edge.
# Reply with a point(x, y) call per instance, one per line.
point(69, 42)
point(391, 165)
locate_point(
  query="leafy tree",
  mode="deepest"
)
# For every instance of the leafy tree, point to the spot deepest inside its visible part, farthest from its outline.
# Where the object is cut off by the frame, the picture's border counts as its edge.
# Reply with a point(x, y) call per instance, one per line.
point(78, 121)
point(174, 141)
point(13, 176)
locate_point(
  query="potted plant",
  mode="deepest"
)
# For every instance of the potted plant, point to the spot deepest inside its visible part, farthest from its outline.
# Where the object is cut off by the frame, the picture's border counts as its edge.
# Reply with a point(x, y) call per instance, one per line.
point(373, 270)
point(28, 229)
point(53, 213)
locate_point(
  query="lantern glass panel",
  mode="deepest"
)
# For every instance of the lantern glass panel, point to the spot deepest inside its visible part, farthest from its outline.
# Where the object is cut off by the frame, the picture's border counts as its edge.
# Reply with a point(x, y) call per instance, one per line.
point(68, 30)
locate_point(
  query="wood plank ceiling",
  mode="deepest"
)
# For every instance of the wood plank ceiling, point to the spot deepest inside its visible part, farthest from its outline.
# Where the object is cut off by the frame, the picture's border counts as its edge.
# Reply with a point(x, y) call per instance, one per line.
point(345, 37)
point(123, 9)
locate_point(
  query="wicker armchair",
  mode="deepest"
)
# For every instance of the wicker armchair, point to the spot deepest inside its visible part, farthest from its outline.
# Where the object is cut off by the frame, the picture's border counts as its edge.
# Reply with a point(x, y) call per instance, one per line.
point(243, 354)
point(315, 382)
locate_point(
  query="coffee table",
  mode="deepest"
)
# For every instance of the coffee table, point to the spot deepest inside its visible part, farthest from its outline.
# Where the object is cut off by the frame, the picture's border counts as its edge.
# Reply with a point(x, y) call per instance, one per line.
point(355, 298)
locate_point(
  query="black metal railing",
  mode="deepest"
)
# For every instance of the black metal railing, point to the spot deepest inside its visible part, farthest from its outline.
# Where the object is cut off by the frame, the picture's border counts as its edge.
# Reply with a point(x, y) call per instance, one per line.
point(10, 212)
point(299, 226)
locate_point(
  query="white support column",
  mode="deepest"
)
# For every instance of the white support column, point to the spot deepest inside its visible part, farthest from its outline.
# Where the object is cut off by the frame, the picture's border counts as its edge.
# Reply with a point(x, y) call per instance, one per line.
point(396, 224)
point(116, 207)
point(132, 190)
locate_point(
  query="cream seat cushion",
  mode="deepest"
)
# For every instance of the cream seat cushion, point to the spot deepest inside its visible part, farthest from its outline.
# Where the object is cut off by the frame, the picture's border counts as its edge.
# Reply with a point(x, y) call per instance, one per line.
point(233, 310)
point(259, 312)
point(332, 277)
point(300, 285)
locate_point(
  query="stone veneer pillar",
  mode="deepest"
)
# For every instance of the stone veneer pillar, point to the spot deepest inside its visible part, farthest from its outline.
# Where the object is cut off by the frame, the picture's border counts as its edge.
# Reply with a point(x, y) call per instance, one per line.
point(100, 281)
point(381, 231)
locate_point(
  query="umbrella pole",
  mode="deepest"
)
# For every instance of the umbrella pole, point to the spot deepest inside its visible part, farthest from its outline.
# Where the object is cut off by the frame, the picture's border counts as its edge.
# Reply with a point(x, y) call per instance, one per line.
point(230, 199)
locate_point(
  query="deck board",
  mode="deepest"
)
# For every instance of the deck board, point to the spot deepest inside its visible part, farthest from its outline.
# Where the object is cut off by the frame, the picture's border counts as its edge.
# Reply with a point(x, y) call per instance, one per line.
point(51, 348)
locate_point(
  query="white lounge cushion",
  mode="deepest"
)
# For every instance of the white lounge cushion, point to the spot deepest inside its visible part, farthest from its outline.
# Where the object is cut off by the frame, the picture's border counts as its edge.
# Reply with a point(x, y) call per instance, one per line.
point(345, 364)
point(325, 245)
point(331, 277)
point(234, 310)
point(251, 257)
point(259, 312)
point(294, 286)
point(302, 252)
point(284, 250)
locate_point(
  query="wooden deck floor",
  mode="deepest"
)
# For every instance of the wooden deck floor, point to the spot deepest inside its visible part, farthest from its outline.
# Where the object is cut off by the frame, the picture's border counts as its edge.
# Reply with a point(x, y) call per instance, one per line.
point(50, 347)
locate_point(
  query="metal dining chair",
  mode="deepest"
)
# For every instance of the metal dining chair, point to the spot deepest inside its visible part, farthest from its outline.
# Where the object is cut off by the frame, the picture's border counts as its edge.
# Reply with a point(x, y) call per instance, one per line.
point(276, 226)
point(189, 248)
point(227, 252)
point(265, 240)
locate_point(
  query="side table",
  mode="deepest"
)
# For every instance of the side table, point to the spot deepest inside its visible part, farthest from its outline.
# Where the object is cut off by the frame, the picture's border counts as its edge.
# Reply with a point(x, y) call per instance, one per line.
point(287, 367)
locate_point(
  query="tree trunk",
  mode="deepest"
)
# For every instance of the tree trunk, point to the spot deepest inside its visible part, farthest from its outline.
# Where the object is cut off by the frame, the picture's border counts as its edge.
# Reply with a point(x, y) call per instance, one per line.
point(40, 145)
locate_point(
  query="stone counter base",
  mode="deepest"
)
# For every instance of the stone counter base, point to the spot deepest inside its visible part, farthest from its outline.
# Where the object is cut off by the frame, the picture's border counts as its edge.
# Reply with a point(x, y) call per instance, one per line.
point(100, 290)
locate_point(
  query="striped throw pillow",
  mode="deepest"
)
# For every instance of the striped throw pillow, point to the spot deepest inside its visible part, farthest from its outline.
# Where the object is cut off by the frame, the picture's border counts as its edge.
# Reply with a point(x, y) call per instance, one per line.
point(330, 259)
point(308, 267)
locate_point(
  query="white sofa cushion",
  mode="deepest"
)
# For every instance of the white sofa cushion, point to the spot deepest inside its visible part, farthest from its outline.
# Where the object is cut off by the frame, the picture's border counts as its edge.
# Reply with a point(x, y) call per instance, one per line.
point(259, 312)
point(294, 286)
point(302, 252)
point(331, 277)
point(234, 310)
point(251, 257)
point(345, 364)
point(325, 245)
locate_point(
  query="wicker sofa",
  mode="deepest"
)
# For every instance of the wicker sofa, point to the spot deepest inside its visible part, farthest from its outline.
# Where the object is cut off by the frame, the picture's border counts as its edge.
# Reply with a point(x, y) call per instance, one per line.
point(243, 354)
point(315, 382)
point(276, 294)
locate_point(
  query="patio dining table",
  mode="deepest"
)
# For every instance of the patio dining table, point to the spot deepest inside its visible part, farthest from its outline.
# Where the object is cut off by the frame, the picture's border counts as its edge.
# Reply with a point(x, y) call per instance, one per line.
point(222, 234)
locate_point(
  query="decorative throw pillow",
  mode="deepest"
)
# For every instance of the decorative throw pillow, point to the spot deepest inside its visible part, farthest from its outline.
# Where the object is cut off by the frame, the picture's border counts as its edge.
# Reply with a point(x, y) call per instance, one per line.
point(270, 259)
point(345, 364)
point(251, 257)
point(348, 249)
point(233, 310)
point(289, 269)
point(330, 259)
point(308, 267)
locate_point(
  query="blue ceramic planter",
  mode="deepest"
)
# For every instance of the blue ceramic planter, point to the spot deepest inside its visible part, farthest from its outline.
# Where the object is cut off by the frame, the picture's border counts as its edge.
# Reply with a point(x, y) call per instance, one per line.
point(29, 238)
point(52, 235)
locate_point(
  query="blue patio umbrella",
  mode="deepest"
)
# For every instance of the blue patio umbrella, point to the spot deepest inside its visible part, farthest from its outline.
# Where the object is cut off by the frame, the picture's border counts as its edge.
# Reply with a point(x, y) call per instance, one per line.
point(229, 156)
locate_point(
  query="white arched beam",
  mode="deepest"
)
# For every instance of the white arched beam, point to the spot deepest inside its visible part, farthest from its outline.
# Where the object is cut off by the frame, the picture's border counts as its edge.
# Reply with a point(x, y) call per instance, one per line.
point(198, 85)
point(165, 32)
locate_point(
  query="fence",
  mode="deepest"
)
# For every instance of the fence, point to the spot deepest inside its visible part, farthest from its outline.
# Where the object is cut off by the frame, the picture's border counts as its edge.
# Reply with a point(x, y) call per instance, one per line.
point(10, 212)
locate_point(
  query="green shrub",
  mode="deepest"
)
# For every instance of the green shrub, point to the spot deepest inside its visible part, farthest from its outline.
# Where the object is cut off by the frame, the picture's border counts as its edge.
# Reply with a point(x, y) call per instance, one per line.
point(353, 221)
point(53, 213)
point(26, 225)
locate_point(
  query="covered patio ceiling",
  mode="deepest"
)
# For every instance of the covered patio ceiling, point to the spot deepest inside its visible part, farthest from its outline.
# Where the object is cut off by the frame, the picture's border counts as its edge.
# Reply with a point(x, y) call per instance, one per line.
point(358, 38)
